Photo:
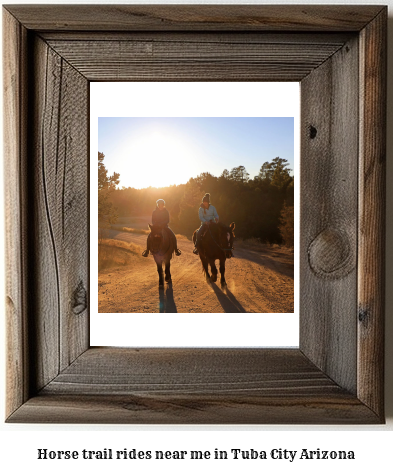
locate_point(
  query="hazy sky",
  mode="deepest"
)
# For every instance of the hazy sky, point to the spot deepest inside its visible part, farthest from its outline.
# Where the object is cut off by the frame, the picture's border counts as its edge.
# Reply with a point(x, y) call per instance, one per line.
point(164, 151)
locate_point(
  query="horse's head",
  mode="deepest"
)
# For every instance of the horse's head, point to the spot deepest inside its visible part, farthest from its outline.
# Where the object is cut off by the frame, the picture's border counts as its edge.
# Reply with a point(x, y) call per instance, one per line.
point(227, 237)
point(156, 238)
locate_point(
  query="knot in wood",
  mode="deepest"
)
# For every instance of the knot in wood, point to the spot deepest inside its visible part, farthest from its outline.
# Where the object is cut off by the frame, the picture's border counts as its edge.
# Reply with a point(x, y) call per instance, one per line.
point(313, 132)
point(330, 254)
point(363, 315)
point(80, 299)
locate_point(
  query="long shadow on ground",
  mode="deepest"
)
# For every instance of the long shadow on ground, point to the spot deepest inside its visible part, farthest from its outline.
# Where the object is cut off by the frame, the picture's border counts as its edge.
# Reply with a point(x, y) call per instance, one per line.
point(283, 268)
point(227, 300)
point(167, 303)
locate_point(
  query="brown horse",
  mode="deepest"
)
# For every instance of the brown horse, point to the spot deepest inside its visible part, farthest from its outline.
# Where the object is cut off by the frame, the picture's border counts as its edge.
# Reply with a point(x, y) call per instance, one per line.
point(162, 248)
point(215, 244)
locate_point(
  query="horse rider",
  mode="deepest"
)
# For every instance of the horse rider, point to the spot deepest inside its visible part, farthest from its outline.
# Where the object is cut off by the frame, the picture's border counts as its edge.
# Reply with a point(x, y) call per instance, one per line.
point(207, 214)
point(160, 217)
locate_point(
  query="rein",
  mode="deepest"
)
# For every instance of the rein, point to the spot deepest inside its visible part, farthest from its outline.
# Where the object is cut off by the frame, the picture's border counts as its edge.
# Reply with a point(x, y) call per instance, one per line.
point(211, 235)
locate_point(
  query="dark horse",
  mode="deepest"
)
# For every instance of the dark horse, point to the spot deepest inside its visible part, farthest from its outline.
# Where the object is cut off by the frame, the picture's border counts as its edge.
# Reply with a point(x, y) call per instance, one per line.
point(215, 244)
point(162, 248)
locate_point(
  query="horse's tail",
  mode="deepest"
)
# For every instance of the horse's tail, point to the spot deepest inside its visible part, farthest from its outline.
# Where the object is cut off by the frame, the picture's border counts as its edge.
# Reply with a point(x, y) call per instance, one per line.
point(172, 250)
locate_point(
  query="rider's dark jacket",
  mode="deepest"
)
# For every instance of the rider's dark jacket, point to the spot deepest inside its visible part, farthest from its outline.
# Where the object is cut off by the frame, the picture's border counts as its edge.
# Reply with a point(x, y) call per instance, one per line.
point(160, 217)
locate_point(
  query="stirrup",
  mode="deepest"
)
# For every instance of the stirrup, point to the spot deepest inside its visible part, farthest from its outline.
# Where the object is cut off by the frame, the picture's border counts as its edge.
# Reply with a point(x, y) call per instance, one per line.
point(145, 253)
point(177, 252)
point(196, 251)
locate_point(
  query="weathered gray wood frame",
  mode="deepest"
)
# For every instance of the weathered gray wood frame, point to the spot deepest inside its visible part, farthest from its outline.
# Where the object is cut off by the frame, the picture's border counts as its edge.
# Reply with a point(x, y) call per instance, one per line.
point(338, 53)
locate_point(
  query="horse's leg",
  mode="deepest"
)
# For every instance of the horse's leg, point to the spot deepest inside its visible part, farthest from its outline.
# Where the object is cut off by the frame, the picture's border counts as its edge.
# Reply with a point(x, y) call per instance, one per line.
point(205, 266)
point(222, 271)
point(160, 274)
point(168, 277)
point(214, 269)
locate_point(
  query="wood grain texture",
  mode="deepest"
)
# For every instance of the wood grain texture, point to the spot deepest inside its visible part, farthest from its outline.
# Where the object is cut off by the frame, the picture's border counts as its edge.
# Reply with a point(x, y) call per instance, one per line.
point(14, 112)
point(186, 371)
point(195, 386)
point(188, 59)
point(195, 17)
point(372, 189)
point(60, 180)
point(328, 248)
point(239, 409)
point(201, 37)
point(45, 279)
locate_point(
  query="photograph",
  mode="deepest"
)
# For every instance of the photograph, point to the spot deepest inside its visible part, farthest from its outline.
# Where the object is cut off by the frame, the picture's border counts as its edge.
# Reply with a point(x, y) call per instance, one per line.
point(196, 214)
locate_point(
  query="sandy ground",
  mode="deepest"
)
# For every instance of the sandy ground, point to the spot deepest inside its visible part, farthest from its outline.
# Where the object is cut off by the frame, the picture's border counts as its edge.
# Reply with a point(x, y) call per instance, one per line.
point(258, 281)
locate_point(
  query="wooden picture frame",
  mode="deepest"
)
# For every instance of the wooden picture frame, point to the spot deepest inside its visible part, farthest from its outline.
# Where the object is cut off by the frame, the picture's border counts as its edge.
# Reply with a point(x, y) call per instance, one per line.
point(338, 54)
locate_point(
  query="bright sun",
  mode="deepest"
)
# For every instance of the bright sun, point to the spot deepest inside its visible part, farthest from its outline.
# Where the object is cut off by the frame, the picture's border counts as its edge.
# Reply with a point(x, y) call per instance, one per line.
point(157, 158)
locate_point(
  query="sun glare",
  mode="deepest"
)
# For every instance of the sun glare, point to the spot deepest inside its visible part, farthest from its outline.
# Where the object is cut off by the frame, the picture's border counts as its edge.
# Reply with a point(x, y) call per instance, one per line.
point(157, 158)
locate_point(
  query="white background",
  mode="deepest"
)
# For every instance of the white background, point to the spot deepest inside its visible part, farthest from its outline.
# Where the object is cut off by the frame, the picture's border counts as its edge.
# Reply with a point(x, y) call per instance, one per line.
point(198, 99)
point(372, 444)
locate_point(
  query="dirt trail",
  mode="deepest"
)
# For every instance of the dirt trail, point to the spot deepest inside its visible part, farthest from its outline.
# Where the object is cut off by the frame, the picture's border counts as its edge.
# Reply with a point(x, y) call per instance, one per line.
point(258, 281)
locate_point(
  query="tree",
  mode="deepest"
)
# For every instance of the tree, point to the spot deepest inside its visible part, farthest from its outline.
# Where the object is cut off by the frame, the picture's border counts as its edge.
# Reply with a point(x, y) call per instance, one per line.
point(276, 172)
point(106, 186)
point(257, 206)
point(205, 178)
point(225, 174)
point(266, 172)
point(102, 172)
point(206, 181)
point(286, 226)
point(106, 182)
point(239, 174)
point(189, 205)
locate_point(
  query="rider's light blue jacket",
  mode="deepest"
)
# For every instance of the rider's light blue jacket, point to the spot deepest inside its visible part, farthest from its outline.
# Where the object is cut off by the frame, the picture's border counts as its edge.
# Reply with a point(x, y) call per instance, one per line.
point(209, 214)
